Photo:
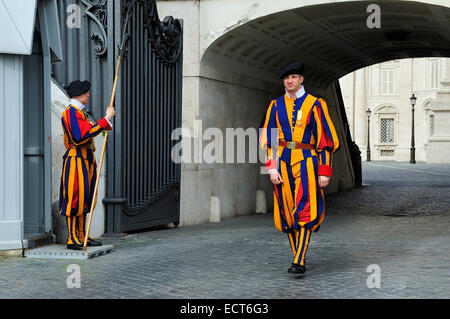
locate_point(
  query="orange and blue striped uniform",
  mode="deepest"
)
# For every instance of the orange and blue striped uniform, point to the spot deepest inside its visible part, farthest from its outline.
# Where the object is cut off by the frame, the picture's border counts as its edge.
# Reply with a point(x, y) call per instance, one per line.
point(299, 204)
point(79, 173)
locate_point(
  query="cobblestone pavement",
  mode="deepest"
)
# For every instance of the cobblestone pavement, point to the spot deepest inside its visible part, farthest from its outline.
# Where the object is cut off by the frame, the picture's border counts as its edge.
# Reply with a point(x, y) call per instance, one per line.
point(246, 257)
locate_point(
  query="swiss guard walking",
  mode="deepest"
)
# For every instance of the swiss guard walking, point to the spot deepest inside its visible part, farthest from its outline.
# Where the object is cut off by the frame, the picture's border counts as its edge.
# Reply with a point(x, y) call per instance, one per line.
point(79, 171)
point(300, 126)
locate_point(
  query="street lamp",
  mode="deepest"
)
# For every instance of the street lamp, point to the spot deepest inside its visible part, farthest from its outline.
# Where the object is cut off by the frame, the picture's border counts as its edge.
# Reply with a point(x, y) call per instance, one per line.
point(368, 134)
point(413, 100)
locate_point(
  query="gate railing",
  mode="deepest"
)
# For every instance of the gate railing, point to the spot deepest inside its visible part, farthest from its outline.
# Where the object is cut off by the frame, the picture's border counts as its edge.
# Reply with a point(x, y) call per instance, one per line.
point(150, 111)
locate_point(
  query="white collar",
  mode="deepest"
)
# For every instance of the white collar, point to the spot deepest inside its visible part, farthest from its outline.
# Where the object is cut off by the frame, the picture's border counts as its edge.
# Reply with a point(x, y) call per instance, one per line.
point(77, 104)
point(299, 93)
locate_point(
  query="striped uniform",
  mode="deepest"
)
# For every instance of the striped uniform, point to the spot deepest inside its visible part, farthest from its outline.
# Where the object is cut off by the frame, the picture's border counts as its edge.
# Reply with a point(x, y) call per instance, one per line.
point(79, 171)
point(299, 206)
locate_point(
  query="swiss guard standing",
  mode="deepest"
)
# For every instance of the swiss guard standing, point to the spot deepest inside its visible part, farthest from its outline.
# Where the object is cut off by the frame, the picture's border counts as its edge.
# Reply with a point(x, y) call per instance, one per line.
point(300, 139)
point(79, 171)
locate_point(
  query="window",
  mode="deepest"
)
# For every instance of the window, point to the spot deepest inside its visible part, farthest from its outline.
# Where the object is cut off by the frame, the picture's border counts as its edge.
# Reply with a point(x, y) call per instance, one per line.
point(387, 153)
point(431, 124)
point(387, 81)
point(387, 131)
point(434, 74)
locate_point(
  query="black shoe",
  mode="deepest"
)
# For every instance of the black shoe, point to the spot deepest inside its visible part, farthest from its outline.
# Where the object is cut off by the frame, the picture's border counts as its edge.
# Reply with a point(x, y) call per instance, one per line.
point(93, 242)
point(74, 246)
point(297, 269)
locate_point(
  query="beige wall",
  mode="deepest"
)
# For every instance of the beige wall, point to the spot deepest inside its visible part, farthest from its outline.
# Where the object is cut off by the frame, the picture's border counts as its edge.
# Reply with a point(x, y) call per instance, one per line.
point(224, 105)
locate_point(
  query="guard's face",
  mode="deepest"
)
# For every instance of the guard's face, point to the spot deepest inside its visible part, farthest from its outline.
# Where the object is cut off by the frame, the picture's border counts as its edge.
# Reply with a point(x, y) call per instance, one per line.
point(84, 98)
point(293, 82)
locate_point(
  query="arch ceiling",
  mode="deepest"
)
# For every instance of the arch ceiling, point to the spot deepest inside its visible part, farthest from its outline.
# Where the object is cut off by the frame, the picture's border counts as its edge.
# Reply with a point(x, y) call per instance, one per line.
point(333, 39)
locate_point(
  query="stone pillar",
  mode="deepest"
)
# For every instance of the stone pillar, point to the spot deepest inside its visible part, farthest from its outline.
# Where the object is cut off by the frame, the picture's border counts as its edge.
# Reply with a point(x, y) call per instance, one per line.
point(439, 143)
point(360, 114)
point(11, 152)
point(195, 182)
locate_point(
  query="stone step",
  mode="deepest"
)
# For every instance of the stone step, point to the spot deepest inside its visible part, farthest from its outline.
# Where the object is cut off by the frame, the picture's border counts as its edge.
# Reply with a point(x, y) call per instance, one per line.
point(61, 252)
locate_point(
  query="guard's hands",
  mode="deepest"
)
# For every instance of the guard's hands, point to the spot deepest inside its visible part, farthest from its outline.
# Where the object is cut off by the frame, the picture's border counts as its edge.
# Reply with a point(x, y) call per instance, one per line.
point(110, 112)
point(324, 181)
point(275, 178)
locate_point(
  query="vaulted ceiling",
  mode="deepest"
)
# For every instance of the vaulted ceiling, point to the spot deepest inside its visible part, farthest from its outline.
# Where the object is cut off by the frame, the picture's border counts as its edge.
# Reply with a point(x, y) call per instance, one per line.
point(333, 39)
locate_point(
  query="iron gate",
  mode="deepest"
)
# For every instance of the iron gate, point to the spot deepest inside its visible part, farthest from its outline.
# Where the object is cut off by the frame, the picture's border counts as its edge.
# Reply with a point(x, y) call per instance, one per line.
point(146, 191)
point(142, 182)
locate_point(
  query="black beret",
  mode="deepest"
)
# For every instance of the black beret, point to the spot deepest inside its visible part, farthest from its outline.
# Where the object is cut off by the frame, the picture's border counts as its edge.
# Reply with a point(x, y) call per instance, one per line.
point(77, 88)
point(293, 68)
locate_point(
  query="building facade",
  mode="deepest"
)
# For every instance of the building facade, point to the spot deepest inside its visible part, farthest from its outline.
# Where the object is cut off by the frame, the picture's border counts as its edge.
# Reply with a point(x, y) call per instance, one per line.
point(385, 89)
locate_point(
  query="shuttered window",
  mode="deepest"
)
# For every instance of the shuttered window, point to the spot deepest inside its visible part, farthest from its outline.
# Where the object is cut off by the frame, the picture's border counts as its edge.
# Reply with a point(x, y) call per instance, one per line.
point(387, 81)
point(434, 74)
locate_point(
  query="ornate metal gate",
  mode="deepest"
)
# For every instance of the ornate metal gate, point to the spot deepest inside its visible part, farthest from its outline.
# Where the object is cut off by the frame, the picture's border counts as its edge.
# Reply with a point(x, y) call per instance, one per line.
point(142, 182)
point(146, 188)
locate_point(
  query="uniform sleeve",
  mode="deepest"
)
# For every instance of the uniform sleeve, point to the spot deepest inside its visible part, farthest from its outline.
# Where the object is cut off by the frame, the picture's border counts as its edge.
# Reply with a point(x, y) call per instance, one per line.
point(268, 135)
point(325, 136)
point(81, 129)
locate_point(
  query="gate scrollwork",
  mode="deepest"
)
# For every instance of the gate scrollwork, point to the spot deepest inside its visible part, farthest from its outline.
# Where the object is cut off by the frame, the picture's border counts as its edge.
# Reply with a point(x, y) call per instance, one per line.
point(96, 10)
point(166, 35)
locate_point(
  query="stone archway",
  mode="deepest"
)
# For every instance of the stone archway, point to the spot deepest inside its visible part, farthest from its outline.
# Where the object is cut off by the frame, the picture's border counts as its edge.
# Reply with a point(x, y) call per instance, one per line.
point(239, 47)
